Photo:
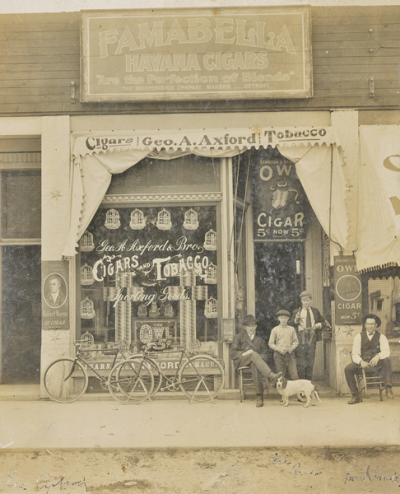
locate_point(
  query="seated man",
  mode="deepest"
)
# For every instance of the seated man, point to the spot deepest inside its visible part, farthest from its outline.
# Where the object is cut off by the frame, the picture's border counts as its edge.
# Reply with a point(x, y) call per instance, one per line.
point(370, 352)
point(247, 348)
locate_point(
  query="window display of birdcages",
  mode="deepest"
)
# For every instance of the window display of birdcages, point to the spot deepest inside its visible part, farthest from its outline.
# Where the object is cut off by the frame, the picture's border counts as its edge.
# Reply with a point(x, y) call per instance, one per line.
point(112, 219)
point(142, 311)
point(87, 277)
point(191, 221)
point(87, 309)
point(87, 340)
point(86, 242)
point(137, 220)
point(168, 311)
point(211, 274)
point(164, 220)
point(211, 308)
point(210, 241)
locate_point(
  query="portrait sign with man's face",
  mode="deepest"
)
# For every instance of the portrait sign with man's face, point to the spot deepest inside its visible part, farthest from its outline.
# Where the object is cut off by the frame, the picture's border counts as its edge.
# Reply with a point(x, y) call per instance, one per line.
point(55, 302)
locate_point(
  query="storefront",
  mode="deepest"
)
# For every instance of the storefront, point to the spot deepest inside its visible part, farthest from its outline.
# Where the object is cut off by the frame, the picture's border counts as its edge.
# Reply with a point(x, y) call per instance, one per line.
point(174, 224)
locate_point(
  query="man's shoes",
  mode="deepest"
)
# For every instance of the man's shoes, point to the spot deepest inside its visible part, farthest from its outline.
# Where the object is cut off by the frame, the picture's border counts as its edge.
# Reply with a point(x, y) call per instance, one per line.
point(260, 401)
point(389, 392)
point(354, 399)
point(274, 377)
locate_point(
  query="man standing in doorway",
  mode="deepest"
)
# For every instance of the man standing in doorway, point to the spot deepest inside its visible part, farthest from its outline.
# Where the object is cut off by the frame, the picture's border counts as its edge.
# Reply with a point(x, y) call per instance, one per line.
point(249, 349)
point(309, 324)
point(370, 352)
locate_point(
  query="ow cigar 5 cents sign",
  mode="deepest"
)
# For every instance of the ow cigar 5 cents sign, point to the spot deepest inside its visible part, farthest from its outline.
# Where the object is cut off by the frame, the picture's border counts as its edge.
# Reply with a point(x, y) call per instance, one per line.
point(187, 54)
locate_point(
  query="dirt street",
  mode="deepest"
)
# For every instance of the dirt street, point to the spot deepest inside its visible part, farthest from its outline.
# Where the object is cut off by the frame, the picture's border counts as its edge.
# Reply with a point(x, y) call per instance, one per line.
point(185, 471)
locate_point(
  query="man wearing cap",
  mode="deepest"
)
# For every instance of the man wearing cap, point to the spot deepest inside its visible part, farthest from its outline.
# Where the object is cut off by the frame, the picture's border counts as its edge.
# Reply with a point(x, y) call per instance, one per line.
point(249, 349)
point(309, 324)
point(370, 352)
point(283, 341)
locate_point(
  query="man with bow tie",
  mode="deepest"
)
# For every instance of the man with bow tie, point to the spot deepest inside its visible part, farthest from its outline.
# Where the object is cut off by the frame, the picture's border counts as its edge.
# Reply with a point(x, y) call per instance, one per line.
point(309, 324)
point(249, 349)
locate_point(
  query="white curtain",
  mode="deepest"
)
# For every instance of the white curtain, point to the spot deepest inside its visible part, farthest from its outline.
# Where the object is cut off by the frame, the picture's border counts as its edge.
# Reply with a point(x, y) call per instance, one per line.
point(92, 176)
point(378, 233)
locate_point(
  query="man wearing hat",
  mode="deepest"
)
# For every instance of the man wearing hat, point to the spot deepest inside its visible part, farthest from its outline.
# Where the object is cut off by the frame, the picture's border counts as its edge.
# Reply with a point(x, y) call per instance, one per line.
point(370, 352)
point(247, 348)
point(283, 341)
point(309, 324)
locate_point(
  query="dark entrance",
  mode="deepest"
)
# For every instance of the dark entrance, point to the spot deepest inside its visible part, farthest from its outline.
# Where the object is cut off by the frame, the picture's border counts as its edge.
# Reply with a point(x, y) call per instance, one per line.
point(21, 315)
point(276, 282)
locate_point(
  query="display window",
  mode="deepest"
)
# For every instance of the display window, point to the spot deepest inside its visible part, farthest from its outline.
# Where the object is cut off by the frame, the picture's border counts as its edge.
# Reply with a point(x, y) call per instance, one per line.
point(150, 273)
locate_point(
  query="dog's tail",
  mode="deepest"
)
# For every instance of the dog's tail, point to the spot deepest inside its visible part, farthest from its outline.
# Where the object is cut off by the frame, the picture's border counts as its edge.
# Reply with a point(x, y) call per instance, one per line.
point(316, 395)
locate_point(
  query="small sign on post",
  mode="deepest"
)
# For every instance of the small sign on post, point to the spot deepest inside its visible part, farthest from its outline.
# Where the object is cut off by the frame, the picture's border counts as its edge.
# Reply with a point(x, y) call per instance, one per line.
point(348, 292)
point(55, 295)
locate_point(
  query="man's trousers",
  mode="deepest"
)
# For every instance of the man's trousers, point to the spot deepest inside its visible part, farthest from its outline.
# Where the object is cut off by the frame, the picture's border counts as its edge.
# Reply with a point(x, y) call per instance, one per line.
point(259, 369)
point(286, 362)
point(305, 355)
point(351, 370)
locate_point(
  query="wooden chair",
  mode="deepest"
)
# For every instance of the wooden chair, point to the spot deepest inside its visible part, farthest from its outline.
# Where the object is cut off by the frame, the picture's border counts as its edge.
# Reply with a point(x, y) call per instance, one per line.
point(371, 378)
point(245, 380)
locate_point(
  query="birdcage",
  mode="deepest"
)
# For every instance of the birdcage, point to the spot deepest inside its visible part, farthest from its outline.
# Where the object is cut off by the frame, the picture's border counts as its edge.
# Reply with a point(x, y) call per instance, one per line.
point(210, 240)
point(211, 274)
point(211, 308)
point(142, 311)
point(168, 311)
point(112, 219)
point(87, 340)
point(87, 277)
point(164, 220)
point(137, 220)
point(87, 309)
point(154, 310)
point(86, 242)
point(191, 221)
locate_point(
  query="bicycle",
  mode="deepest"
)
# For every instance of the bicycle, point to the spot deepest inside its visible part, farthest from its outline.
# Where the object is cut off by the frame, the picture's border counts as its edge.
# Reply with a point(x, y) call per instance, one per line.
point(200, 376)
point(66, 379)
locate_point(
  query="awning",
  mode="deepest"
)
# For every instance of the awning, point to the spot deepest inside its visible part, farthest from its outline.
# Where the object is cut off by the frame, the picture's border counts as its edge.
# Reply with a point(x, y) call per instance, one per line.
point(378, 242)
point(315, 150)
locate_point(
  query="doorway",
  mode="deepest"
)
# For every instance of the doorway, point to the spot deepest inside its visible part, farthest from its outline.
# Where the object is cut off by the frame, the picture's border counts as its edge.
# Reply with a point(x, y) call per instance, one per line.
point(279, 279)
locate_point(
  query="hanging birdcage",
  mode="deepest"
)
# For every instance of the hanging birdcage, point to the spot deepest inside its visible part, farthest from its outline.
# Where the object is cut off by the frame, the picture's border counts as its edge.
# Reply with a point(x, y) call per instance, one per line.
point(154, 310)
point(211, 308)
point(211, 274)
point(112, 219)
point(168, 311)
point(87, 277)
point(164, 220)
point(142, 311)
point(86, 242)
point(191, 220)
point(210, 240)
point(137, 220)
point(87, 340)
point(87, 309)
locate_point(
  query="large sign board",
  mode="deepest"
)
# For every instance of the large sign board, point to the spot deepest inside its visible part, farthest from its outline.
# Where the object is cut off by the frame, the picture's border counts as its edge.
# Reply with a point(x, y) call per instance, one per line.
point(348, 292)
point(194, 54)
point(280, 207)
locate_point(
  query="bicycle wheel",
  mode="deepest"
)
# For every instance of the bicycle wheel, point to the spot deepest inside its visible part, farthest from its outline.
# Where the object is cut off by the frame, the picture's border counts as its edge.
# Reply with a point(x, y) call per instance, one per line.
point(131, 381)
point(201, 378)
point(155, 369)
point(65, 380)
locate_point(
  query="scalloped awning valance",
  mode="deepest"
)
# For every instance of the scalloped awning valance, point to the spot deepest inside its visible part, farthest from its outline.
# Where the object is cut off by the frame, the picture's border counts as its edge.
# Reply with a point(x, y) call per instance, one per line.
point(315, 151)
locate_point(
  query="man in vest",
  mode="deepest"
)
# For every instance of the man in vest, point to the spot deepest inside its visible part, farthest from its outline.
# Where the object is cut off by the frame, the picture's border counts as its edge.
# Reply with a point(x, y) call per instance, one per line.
point(309, 324)
point(370, 352)
point(249, 349)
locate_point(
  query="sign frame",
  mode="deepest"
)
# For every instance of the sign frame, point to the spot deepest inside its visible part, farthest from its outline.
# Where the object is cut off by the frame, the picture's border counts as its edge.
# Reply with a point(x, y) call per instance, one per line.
point(217, 93)
point(55, 313)
point(345, 268)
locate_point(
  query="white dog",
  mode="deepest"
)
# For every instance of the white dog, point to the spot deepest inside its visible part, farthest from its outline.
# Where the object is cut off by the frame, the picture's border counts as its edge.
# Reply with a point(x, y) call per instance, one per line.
point(300, 387)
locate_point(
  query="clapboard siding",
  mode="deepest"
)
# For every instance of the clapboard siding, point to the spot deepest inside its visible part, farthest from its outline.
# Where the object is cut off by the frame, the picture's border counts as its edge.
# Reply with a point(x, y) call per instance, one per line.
point(40, 56)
